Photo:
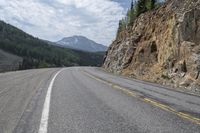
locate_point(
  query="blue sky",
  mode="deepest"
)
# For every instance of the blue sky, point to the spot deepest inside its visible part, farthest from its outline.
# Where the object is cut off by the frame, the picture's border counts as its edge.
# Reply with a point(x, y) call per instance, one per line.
point(55, 19)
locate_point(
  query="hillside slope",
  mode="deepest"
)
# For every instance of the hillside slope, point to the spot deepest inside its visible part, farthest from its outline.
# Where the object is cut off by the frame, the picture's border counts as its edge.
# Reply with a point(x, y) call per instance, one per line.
point(163, 46)
point(37, 53)
point(9, 61)
point(82, 43)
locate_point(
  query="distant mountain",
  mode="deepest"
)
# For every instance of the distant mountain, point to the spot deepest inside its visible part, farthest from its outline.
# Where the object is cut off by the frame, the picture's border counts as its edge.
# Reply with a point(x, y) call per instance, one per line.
point(81, 43)
point(36, 53)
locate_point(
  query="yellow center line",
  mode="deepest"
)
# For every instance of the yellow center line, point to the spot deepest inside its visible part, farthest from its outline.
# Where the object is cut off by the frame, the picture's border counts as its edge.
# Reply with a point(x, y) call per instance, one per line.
point(147, 100)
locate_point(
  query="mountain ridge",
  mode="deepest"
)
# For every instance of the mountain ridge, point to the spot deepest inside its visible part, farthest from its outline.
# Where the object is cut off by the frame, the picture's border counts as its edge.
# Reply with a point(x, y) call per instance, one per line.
point(37, 53)
point(81, 43)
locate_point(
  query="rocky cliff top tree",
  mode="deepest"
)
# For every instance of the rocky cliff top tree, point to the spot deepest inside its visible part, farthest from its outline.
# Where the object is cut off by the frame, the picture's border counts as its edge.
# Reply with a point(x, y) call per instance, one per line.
point(135, 10)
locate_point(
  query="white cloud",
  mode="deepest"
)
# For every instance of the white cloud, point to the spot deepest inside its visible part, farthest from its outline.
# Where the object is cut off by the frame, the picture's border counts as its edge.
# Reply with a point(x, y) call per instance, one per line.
point(54, 19)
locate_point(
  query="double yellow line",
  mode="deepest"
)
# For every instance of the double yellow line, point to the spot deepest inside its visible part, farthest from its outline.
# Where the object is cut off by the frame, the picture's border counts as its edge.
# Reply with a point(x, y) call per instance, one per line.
point(153, 102)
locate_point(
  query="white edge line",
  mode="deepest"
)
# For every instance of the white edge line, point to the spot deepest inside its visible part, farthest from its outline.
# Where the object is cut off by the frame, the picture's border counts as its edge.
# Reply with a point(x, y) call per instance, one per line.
point(45, 113)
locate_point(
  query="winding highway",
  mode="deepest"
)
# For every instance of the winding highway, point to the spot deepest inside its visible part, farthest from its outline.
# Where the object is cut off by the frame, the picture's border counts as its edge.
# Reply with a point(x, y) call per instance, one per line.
point(90, 100)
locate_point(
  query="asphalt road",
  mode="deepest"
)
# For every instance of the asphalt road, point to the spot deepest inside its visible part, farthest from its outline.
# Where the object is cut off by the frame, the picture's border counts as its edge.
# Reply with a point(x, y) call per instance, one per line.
point(89, 100)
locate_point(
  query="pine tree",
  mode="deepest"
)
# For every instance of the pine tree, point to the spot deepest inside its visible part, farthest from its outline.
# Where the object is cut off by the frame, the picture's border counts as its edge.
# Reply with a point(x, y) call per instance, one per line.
point(132, 16)
point(141, 7)
point(131, 13)
point(151, 4)
point(132, 5)
point(120, 26)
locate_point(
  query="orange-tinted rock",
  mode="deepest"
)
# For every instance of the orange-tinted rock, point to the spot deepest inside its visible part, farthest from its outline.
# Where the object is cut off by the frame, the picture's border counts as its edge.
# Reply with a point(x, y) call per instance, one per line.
point(162, 46)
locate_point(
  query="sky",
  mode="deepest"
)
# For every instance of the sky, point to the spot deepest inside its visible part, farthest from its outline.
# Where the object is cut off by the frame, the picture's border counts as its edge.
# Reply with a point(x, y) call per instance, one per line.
point(54, 19)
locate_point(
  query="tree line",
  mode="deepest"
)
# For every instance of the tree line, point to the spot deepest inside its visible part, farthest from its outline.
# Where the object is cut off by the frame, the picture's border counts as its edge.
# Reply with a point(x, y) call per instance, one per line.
point(136, 9)
point(37, 53)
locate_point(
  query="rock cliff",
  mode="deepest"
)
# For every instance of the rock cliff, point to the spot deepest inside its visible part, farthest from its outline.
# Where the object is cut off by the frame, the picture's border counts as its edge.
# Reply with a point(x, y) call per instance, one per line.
point(162, 46)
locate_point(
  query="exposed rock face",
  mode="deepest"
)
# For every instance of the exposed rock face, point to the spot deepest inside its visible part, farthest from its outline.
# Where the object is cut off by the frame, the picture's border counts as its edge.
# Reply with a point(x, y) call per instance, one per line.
point(163, 45)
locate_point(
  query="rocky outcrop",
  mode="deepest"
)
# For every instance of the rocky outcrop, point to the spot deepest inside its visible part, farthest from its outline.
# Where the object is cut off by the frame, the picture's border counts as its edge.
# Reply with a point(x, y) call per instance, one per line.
point(162, 46)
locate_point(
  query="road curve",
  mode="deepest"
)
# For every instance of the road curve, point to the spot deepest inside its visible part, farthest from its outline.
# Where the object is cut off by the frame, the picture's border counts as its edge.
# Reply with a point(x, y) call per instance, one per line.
point(89, 100)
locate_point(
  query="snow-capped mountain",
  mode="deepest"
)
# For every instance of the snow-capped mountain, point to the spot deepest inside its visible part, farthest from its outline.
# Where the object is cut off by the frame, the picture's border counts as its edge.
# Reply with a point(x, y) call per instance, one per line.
point(81, 43)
